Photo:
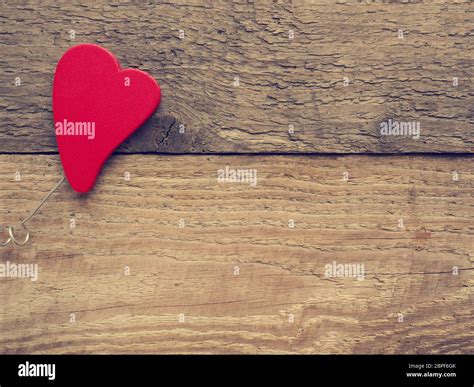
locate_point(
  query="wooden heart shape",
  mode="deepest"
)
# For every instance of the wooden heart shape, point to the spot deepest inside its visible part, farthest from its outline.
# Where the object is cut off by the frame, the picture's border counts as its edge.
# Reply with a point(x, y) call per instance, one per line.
point(96, 106)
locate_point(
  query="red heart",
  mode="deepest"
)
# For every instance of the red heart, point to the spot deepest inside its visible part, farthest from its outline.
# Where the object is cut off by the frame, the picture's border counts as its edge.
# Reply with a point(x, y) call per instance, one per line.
point(96, 107)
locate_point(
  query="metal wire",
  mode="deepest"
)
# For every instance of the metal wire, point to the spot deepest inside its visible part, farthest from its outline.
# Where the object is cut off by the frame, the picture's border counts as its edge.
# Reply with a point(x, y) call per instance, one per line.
point(11, 229)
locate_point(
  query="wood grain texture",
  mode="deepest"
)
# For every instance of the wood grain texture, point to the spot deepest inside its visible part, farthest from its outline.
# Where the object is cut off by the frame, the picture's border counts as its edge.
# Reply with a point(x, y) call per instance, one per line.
point(190, 270)
point(283, 81)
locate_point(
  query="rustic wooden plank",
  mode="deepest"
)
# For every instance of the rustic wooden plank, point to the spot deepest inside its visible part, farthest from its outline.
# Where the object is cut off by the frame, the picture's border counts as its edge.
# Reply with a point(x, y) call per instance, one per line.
point(282, 81)
point(190, 270)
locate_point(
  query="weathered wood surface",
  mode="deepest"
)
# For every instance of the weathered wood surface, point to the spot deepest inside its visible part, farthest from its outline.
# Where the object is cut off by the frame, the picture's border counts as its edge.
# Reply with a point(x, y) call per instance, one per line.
point(190, 270)
point(282, 81)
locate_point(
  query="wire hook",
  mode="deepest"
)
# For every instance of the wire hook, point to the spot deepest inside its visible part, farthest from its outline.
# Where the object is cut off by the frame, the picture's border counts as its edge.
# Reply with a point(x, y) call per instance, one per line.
point(11, 229)
point(3, 244)
point(14, 240)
